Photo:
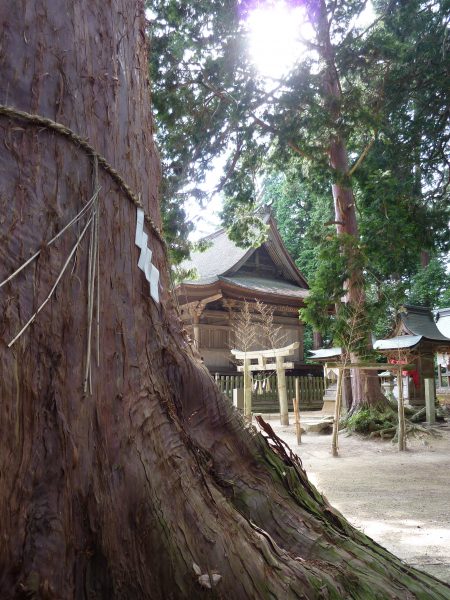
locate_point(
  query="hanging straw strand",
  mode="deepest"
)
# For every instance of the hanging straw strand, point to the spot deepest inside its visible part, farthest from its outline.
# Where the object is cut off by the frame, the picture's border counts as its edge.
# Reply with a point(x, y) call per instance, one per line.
point(97, 253)
point(58, 279)
point(92, 281)
point(90, 284)
point(49, 243)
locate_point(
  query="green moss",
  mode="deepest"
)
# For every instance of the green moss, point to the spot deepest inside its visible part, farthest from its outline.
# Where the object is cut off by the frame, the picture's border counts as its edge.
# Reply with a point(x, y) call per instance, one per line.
point(371, 418)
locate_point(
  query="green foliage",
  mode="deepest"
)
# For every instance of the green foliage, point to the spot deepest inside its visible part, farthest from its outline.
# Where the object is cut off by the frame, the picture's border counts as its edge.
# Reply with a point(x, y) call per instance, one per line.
point(195, 51)
point(393, 113)
point(308, 339)
point(370, 418)
point(301, 207)
point(244, 226)
point(179, 274)
point(340, 259)
point(176, 229)
point(430, 285)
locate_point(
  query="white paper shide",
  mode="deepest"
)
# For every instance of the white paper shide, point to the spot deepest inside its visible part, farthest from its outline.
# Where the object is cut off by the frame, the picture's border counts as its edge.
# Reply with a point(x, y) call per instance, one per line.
point(145, 258)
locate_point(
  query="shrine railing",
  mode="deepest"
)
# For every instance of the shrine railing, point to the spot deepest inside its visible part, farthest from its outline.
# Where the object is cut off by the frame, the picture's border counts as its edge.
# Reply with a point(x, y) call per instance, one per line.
point(265, 392)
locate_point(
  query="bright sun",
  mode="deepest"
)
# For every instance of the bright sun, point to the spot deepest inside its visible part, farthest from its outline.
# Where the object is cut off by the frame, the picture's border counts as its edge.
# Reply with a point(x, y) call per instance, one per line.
point(274, 32)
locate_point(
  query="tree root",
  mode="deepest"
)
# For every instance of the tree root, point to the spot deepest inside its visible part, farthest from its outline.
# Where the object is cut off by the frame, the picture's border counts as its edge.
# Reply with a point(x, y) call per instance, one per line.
point(412, 430)
point(388, 432)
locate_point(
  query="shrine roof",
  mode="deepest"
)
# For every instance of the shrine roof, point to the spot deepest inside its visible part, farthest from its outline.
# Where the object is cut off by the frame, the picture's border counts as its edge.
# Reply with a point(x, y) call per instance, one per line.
point(398, 342)
point(262, 284)
point(419, 321)
point(223, 258)
point(322, 353)
point(221, 255)
point(443, 321)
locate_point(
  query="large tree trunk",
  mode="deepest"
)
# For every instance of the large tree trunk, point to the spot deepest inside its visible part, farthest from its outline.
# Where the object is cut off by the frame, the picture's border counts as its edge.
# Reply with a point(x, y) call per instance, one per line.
point(118, 492)
point(365, 385)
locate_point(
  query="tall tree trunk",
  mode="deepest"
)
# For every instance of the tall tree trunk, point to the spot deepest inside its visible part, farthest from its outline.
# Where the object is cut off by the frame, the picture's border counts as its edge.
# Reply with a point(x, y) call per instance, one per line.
point(317, 340)
point(365, 385)
point(134, 489)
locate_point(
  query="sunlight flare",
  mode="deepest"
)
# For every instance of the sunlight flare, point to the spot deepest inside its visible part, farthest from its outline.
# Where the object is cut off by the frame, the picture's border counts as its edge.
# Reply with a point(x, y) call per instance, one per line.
point(276, 31)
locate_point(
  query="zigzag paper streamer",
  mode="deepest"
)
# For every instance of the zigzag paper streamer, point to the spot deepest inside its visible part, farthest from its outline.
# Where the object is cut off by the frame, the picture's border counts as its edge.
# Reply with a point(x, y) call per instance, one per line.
point(145, 258)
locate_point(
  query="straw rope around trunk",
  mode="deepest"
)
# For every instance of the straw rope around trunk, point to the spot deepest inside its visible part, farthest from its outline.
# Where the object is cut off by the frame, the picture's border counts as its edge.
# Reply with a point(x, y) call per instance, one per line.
point(66, 132)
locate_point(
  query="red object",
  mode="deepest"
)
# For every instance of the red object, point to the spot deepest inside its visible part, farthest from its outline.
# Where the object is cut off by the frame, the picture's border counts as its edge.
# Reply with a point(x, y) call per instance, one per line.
point(414, 373)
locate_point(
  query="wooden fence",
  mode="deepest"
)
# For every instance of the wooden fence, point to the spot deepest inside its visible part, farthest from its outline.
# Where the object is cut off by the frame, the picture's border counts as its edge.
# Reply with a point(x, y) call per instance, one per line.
point(265, 392)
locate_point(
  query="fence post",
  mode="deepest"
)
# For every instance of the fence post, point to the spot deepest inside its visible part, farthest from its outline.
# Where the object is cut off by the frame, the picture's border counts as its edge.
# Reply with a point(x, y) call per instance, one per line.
point(297, 411)
point(337, 414)
point(282, 393)
point(401, 414)
point(247, 391)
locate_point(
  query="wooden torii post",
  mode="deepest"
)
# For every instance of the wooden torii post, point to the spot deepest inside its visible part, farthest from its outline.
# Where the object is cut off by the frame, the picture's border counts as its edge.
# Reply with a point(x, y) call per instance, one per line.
point(263, 356)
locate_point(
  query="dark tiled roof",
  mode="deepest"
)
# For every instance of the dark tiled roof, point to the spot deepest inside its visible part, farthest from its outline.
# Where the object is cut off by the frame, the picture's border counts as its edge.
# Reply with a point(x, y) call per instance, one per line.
point(221, 256)
point(224, 258)
point(419, 320)
point(260, 284)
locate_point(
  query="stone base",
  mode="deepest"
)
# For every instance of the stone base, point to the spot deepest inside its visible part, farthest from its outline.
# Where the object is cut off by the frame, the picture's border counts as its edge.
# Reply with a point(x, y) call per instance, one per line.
point(328, 407)
point(324, 425)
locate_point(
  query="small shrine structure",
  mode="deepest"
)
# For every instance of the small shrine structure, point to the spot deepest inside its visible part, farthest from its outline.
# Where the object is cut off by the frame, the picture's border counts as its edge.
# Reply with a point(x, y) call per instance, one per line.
point(443, 358)
point(325, 356)
point(416, 339)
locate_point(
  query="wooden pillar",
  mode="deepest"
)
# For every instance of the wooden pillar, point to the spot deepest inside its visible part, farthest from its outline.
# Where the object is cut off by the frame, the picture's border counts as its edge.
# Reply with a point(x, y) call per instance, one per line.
point(401, 414)
point(301, 341)
point(347, 397)
point(337, 414)
point(196, 329)
point(282, 392)
point(228, 305)
point(247, 391)
point(298, 428)
point(430, 399)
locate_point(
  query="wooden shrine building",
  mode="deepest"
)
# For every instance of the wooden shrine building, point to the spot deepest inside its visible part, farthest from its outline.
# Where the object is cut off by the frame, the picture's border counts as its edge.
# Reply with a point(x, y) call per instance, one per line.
point(443, 358)
point(415, 339)
point(227, 277)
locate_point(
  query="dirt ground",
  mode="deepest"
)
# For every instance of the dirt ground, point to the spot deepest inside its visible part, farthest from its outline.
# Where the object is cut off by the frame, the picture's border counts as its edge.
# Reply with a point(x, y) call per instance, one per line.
point(400, 499)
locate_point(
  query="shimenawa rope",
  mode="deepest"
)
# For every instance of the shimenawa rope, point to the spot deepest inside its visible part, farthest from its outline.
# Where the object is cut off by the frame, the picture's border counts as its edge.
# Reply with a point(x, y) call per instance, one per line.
point(60, 129)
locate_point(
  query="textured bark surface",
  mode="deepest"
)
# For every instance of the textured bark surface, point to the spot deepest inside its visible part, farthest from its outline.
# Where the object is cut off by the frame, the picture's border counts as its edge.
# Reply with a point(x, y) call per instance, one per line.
point(118, 493)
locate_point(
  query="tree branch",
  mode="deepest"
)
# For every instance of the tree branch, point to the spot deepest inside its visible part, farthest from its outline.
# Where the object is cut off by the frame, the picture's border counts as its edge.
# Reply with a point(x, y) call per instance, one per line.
point(369, 27)
point(290, 143)
point(230, 169)
point(362, 157)
point(224, 95)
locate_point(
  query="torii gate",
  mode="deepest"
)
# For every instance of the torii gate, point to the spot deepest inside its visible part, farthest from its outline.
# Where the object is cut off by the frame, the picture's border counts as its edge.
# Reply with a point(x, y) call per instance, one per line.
point(263, 356)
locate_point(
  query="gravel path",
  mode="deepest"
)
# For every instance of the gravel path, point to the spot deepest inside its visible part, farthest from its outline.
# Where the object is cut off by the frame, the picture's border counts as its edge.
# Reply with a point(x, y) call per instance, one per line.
point(400, 499)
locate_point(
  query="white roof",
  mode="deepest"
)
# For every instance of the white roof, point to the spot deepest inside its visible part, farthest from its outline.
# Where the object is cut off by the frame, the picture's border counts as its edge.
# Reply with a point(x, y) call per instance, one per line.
point(443, 321)
point(401, 341)
point(325, 352)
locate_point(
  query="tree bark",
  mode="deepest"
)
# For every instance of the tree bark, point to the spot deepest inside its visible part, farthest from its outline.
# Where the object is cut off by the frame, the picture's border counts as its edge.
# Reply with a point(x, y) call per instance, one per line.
point(317, 340)
point(119, 492)
point(365, 386)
